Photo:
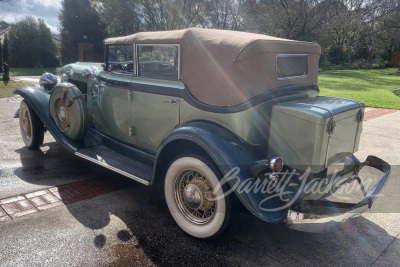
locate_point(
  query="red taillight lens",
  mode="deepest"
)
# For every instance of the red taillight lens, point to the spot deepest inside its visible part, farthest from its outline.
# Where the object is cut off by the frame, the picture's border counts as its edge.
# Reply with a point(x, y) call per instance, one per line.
point(276, 164)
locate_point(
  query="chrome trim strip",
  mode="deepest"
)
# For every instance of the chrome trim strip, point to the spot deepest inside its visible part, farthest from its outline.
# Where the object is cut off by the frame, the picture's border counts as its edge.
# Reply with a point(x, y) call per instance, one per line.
point(103, 164)
point(135, 61)
point(327, 152)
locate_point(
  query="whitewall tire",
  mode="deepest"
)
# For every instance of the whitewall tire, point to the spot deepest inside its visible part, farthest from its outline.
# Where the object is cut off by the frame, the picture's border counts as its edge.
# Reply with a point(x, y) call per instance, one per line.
point(188, 189)
point(32, 129)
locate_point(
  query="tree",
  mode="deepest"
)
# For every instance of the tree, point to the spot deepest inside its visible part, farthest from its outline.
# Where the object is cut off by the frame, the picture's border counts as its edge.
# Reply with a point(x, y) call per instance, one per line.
point(79, 22)
point(6, 74)
point(292, 19)
point(47, 48)
point(4, 25)
point(163, 15)
point(32, 45)
point(1, 58)
point(353, 22)
point(22, 37)
point(129, 16)
point(224, 14)
point(120, 17)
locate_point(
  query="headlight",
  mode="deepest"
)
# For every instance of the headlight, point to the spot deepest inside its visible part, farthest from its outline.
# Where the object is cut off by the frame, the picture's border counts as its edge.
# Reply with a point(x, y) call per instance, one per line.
point(64, 78)
point(48, 81)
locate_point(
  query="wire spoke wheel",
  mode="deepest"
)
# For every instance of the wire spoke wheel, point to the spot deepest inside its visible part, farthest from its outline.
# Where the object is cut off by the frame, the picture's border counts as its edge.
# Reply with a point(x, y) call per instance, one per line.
point(27, 124)
point(32, 129)
point(194, 196)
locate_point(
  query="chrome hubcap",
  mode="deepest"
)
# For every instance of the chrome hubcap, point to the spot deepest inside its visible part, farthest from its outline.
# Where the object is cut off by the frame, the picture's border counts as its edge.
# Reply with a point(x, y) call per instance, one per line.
point(62, 114)
point(26, 125)
point(194, 197)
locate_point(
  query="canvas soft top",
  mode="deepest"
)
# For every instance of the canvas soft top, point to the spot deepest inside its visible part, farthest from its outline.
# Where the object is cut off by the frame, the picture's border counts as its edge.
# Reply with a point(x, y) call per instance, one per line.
point(227, 68)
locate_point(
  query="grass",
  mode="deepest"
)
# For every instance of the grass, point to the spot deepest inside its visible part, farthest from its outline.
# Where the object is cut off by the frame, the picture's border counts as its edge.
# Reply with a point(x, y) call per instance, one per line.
point(372, 87)
point(7, 89)
point(33, 71)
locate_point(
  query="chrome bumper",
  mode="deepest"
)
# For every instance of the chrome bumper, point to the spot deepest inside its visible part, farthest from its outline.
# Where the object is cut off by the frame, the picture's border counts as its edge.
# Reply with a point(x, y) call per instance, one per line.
point(326, 215)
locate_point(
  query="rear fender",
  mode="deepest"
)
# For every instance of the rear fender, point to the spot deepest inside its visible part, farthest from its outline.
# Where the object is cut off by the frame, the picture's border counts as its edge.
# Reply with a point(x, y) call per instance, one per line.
point(232, 158)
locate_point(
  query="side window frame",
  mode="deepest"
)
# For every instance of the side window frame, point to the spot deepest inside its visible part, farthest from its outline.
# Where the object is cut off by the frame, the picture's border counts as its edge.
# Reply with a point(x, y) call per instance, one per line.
point(107, 63)
point(294, 76)
point(178, 46)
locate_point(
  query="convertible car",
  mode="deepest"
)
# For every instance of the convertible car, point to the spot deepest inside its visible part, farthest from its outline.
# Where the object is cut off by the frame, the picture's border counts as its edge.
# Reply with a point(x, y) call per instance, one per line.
point(215, 116)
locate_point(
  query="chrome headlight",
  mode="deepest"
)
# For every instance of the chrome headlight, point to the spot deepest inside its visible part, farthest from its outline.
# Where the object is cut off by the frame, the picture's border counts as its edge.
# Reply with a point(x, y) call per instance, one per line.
point(86, 73)
point(64, 78)
point(48, 81)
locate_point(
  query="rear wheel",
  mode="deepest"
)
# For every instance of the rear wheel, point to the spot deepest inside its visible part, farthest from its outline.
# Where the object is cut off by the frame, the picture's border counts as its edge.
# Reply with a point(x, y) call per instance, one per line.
point(32, 129)
point(195, 198)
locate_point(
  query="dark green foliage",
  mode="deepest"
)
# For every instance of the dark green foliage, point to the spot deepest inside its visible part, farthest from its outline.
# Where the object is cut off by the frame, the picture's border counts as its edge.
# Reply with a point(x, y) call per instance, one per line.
point(32, 45)
point(1, 58)
point(347, 30)
point(4, 25)
point(6, 73)
point(79, 19)
point(120, 17)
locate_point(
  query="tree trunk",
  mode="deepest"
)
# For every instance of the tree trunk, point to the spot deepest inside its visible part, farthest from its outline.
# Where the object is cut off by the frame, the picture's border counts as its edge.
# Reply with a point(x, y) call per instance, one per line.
point(336, 60)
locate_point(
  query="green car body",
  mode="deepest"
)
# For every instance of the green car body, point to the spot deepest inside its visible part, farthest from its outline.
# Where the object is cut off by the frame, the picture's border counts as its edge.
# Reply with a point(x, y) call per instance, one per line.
point(245, 104)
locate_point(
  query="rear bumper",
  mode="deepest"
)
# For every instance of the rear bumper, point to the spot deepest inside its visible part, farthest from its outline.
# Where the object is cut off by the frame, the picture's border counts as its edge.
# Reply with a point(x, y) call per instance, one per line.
point(324, 216)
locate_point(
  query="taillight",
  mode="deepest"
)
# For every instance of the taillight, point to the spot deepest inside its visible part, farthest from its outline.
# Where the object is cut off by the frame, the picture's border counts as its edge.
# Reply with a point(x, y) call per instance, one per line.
point(276, 164)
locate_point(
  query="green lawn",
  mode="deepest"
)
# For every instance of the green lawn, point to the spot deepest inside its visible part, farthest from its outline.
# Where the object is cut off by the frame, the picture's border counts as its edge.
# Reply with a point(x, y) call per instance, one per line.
point(7, 89)
point(33, 71)
point(372, 87)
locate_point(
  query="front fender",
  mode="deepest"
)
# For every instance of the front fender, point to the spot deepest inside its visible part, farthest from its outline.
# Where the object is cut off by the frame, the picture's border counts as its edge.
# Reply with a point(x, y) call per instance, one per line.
point(233, 159)
point(38, 100)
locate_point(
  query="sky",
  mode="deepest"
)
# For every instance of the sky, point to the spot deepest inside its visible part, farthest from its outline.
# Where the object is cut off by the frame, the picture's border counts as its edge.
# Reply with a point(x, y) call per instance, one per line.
point(46, 9)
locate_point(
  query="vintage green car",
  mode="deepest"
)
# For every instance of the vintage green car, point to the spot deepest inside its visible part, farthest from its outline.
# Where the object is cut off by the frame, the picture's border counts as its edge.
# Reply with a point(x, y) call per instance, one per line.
point(214, 115)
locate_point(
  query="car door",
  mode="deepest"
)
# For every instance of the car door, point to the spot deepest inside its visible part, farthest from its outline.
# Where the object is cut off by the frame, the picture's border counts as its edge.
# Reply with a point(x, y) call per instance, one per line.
point(112, 107)
point(156, 87)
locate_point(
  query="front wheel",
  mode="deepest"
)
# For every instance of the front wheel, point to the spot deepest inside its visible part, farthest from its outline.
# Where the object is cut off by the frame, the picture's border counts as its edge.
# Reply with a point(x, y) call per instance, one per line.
point(189, 192)
point(32, 129)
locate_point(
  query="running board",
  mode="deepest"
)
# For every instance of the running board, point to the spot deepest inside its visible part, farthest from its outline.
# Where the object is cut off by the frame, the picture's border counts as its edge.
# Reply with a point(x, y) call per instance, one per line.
point(117, 162)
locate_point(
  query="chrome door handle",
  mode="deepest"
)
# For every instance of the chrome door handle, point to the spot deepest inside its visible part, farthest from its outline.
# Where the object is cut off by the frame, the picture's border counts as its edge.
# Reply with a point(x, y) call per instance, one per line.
point(172, 101)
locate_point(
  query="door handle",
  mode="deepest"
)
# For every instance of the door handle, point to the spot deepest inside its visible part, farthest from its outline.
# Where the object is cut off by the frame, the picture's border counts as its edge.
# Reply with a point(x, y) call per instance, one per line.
point(172, 101)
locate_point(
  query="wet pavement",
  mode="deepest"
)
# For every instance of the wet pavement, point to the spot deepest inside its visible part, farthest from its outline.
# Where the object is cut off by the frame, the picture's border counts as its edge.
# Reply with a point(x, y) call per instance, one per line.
point(132, 226)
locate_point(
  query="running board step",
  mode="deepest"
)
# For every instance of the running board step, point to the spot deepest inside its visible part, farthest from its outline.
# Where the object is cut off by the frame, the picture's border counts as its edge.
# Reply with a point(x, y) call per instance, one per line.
point(117, 162)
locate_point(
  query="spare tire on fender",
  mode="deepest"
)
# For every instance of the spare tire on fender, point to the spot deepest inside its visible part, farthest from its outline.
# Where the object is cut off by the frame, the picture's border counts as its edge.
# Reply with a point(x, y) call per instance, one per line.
point(69, 111)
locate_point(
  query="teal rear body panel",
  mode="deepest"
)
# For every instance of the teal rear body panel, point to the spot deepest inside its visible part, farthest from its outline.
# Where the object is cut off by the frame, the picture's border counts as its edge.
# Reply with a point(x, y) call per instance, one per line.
point(315, 132)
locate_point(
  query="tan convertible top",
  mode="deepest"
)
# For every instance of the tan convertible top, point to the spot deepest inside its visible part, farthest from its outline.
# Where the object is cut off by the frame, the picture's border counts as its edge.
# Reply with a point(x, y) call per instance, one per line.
point(227, 68)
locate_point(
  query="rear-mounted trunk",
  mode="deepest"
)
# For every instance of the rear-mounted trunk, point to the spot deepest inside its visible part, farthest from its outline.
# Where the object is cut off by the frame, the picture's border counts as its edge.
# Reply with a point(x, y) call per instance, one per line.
point(315, 132)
